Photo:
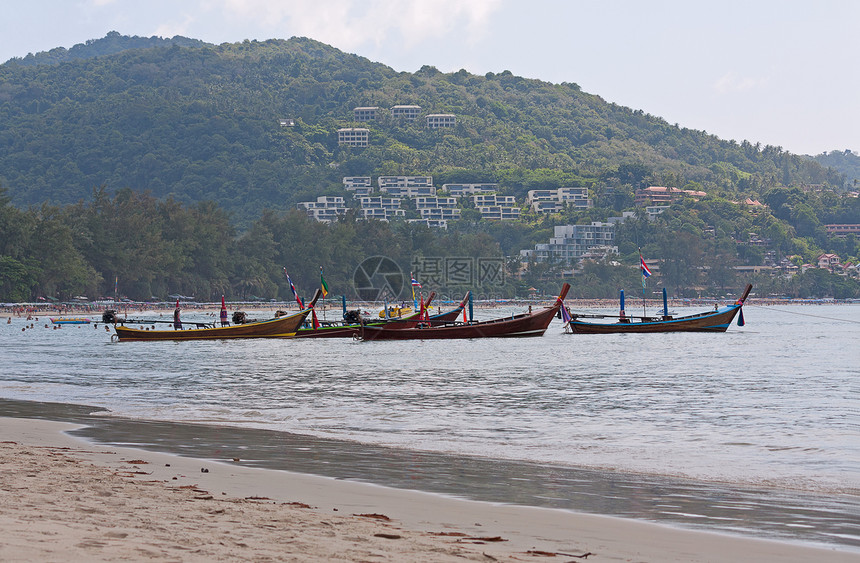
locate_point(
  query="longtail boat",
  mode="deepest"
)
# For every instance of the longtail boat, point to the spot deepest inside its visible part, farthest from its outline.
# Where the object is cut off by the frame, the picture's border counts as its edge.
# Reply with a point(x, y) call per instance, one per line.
point(279, 327)
point(717, 320)
point(525, 324)
point(71, 320)
point(352, 322)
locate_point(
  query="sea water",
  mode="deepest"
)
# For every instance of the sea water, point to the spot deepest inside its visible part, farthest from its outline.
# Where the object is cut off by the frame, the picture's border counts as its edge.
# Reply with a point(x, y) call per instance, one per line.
point(771, 409)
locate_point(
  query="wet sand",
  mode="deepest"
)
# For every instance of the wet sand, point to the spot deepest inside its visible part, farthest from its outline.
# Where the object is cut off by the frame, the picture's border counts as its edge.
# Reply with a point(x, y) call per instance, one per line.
point(64, 498)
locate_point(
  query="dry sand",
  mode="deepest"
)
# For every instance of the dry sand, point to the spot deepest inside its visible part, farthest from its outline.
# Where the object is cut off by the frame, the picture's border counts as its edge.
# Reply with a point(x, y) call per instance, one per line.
point(63, 499)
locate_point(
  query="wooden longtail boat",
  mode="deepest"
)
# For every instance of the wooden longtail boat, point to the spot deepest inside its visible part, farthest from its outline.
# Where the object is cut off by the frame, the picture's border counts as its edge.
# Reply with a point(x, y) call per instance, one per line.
point(71, 320)
point(526, 324)
point(709, 321)
point(280, 327)
point(346, 329)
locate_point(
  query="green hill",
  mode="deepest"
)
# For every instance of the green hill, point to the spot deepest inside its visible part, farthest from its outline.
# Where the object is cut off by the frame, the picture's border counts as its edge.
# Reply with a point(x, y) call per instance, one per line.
point(200, 122)
point(163, 163)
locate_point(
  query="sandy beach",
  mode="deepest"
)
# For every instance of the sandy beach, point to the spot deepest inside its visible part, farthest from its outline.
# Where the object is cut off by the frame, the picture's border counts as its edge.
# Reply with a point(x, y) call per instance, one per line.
point(65, 499)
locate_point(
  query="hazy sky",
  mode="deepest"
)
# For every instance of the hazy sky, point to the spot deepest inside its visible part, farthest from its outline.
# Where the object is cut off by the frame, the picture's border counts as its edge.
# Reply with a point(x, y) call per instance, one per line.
point(779, 72)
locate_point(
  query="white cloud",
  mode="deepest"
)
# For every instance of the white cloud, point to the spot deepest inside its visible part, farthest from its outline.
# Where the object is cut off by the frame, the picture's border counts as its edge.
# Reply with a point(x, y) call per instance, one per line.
point(349, 24)
point(731, 83)
point(173, 28)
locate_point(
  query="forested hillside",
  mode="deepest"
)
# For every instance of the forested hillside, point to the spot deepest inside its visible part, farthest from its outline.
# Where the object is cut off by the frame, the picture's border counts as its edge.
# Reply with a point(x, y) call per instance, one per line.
point(201, 123)
point(162, 162)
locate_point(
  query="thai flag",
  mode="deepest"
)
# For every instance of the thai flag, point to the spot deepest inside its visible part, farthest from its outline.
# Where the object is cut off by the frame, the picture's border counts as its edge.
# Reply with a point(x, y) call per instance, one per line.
point(415, 282)
point(646, 271)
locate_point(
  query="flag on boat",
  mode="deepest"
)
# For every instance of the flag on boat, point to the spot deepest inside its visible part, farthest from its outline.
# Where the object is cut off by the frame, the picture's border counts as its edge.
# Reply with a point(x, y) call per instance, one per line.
point(646, 271)
point(323, 284)
point(565, 315)
point(293, 289)
point(414, 285)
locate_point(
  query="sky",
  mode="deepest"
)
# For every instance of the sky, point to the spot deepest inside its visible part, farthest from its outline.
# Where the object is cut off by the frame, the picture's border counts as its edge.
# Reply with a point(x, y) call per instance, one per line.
point(778, 72)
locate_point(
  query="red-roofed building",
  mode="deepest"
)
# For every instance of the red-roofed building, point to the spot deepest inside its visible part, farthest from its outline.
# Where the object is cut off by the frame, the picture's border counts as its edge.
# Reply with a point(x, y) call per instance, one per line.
point(828, 261)
point(660, 195)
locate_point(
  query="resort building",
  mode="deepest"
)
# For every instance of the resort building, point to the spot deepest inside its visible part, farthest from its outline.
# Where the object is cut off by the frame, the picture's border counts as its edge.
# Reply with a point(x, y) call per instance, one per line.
point(435, 203)
point(287, 122)
point(358, 185)
point(554, 201)
point(659, 195)
point(492, 200)
point(440, 213)
point(843, 231)
point(353, 136)
point(499, 213)
point(432, 223)
point(408, 113)
point(382, 208)
point(437, 120)
point(462, 190)
point(829, 261)
point(573, 242)
point(494, 207)
point(653, 210)
point(365, 113)
point(325, 209)
point(407, 186)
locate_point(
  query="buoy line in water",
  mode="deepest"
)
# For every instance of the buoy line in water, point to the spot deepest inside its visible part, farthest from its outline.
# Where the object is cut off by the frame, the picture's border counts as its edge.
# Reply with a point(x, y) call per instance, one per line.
point(801, 314)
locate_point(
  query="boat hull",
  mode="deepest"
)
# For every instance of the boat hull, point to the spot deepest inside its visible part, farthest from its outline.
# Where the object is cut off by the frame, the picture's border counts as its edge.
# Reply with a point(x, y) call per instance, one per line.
point(709, 321)
point(282, 327)
point(353, 330)
point(717, 321)
point(524, 325)
point(70, 321)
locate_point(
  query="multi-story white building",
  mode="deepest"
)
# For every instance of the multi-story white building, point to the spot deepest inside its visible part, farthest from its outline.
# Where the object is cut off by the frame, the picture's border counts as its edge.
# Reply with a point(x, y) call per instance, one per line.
point(440, 213)
point(572, 242)
point(432, 223)
point(653, 210)
point(435, 202)
point(462, 190)
point(325, 209)
point(358, 185)
point(437, 120)
point(541, 200)
point(382, 208)
point(407, 186)
point(499, 213)
point(353, 136)
point(409, 113)
point(493, 200)
point(365, 113)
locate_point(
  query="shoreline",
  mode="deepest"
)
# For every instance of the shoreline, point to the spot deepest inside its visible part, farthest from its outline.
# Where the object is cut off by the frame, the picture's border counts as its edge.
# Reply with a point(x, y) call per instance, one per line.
point(95, 310)
point(79, 516)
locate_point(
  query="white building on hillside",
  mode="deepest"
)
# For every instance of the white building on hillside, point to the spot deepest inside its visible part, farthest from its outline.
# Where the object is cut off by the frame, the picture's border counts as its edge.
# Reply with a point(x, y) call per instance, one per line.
point(553, 201)
point(382, 208)
point(325, 209)
point(358, 185)
point(407, 186)
point(408, 113)
point(353, 136)
point(572, 242)
point(462, 190)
